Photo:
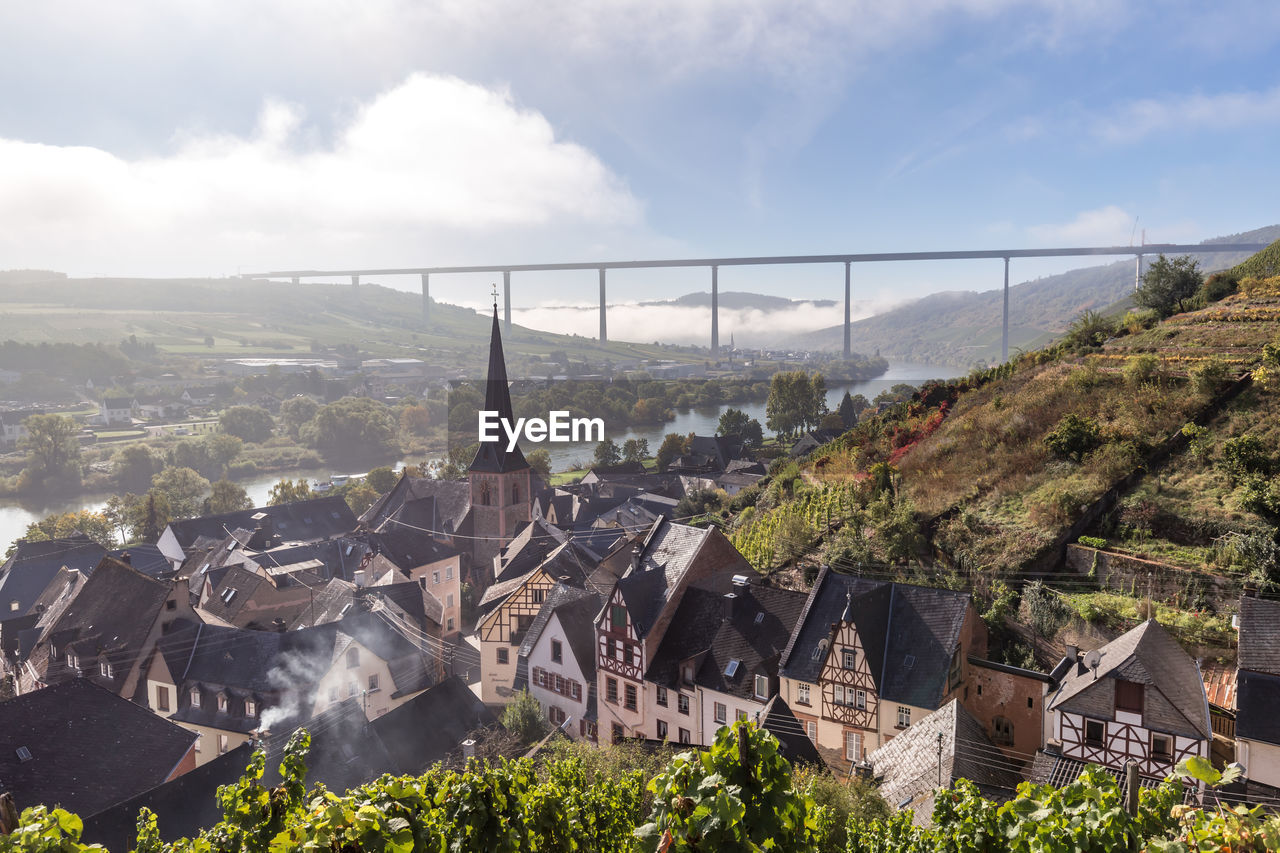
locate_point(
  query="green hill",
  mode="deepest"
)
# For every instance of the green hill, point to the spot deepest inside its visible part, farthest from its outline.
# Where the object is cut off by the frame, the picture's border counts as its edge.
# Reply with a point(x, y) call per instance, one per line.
point(964, 328)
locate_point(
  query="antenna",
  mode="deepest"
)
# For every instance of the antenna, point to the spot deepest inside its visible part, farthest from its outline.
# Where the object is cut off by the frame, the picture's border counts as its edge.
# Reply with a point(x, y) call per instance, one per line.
point(1092, 659)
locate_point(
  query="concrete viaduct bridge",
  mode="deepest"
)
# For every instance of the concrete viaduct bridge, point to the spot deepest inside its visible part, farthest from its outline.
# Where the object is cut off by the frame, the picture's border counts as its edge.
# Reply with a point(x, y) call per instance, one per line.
point(715, 263)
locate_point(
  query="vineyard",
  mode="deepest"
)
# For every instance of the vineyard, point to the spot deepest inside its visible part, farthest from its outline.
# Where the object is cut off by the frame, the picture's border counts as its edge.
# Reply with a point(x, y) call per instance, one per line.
point(767, 538)
point(740, 795)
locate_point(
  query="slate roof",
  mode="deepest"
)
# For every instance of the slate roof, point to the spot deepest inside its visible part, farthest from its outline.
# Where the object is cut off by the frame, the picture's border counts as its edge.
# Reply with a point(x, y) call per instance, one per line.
point(898, 624)
point(669, 551)
point(1259, 635)
point(332, 601)
point(793, 742)
point(89, 748)
point(241, 658)
point(1257, 698)
point(567, 562)
point(447, 501)
point(411, 668)
point(907, 766)
point(493, 456)
point(412, 598)
point(431, 725)
point(528, 548)
point(146, 558)
point(258, 600)
point(701, 628)
point(112, 615)
point(301, 521)
point(24, 576)
point(576, 608)
point(1146, 654)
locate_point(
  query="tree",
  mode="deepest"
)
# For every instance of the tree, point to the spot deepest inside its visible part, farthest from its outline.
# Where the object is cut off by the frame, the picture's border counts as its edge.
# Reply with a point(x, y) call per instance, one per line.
point(832, 421)
point(673, 444)
point(185, 490)
point(607, 453)
point(796, 402)
point(736, 422)
point(52, 444)
point(1168, 284)
point(119, 511)
point(524, 718)
point(415, 420)
point(354, 427)
point(151, 516)
point(359, 496)
point(297, 412)
point(95, 525)
point(226, 496)
point(635, 450)
point(222, 449)
point(134, 466)
point(1073, 437)
point(540, 461)
point(1090, 329)
point(381, 479)
point(247, 423)
point(1244, 455)
point(851, 407)
point(287, 491)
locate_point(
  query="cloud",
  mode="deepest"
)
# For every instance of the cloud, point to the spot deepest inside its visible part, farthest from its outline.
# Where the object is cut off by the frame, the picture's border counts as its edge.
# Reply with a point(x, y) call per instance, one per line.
point(1182, 113)
point(682, 324)
point(429, 163)
point(1106, 226)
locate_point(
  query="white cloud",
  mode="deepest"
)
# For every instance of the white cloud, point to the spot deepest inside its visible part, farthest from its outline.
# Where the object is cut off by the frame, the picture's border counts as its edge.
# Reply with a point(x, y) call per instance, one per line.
point(1106, 226)
point(431, 163)
point(1183, 113)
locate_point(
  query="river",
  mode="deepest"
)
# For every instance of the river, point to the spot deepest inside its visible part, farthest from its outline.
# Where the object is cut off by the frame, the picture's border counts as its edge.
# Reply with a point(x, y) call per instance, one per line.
point(15, 516)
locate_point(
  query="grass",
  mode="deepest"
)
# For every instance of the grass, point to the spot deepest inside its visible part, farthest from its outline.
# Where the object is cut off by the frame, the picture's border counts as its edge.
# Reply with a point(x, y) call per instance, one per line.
point(1121, 612)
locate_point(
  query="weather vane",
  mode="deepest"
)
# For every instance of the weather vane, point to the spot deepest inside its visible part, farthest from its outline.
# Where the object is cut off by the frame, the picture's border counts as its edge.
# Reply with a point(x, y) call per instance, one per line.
point(495, 296)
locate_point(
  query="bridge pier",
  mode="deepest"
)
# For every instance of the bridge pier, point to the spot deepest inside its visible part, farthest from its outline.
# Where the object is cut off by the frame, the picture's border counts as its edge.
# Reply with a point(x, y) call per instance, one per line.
point(1137, 272)
point(604, 329)
point(1004, 334)
point(715, 311)
point(355, 281)
point(847, 350)
point(426, 298)
point(506, 301)
point(297, 279)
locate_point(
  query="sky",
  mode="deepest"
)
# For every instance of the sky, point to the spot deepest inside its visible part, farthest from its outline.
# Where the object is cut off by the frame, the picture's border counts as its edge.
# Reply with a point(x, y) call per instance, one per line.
point(155, 138)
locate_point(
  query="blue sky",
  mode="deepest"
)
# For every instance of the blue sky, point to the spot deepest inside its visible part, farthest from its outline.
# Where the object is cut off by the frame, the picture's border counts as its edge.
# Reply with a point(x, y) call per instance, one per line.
point(209, 138)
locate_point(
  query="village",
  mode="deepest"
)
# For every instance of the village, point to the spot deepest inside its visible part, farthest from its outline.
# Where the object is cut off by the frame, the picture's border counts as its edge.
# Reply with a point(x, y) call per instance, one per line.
point(148, 675)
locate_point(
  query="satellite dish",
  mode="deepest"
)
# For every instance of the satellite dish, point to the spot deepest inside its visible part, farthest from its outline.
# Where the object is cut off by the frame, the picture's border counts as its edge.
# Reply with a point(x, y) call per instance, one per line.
point(1092, 659)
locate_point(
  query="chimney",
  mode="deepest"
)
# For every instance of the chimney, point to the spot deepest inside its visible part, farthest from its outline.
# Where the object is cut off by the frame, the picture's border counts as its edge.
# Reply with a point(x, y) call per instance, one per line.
point(263, 531)
point(360, 578)
point(468, 749)
point(126, 558)
point(730, 603)
point(636, 557)
point(278, 625)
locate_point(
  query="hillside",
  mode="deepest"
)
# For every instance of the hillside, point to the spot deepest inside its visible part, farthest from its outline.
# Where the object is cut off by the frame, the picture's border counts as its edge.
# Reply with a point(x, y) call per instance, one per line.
point(738, 300)
point(247, 318)
point(963, 328)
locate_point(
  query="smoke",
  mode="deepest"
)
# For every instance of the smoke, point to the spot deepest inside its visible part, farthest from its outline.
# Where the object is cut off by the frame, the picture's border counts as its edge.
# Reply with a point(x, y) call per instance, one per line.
point(294, 677)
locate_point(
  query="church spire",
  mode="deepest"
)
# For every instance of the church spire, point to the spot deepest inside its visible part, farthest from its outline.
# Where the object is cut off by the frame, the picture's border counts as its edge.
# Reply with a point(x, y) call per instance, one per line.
point(493, 456)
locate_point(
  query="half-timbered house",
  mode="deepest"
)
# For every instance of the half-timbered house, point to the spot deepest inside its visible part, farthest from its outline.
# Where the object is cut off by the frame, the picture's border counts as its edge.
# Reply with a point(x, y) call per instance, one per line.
point(869, 658)
point(558, 660)
point(637, 613)
point(1138, 698)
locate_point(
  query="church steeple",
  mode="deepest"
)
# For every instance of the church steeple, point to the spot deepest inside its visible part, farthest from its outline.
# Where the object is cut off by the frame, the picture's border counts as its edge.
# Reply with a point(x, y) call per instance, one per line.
point(493, 456)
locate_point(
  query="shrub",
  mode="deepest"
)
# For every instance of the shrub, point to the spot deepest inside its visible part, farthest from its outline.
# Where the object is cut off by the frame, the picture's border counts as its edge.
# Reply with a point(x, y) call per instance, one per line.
point(1141, 369)
point(1089, 330)
point(1220, 285)
point(1092, 542)
point(1208, 376)
point(1073, 437)
point(1244, 455)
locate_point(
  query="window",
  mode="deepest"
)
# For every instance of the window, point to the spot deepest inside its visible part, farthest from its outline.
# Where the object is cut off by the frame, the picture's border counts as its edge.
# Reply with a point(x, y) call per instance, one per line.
point(559, 685)
point(504, 656)
point(685, 737)
point(662, 729)
point(353, 658)
point(449, 626)
point(852, 746)
point(721, 713)
point(618, 732)
point(860, 700)
point(686, 673)
point(802, 694)
point(224, 743)
point(575, 692)
point(250, 708)
point(662, 696)
point(682, 703)
point(811, 728)
point(849, 659)
point(838, 697)
point(742, 715)
point(953, 674)
point(556, 716)
point(435, 577)
point(1094, 731)
point(162, 698)
point(171, 604)
point(448, 573)
point(222, 703)
point(104, 669)
point(333, 694)
point(515, 493)
point(732, 669)
point(1161, 747)
point(557, 652)
point(820, 650)
point(199, 740)
point(1129, 696)
point(373, 682)
point(618, 618)
point(904, 716)
point(73, 661)
point(611, 690)
point(448, 600)
point(195, 698)
point(13, 606)
point(353, 688)
point(630, 703)
point(762, 687)
point(539, 595)
point(1002, 731)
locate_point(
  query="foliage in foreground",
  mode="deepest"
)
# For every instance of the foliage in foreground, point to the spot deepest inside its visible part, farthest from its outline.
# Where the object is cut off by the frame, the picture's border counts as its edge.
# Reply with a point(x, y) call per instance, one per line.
point(740, 795)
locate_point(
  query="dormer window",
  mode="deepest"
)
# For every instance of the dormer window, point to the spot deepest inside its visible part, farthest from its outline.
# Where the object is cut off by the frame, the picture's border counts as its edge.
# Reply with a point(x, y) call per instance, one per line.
point(762, 687)
point(72, 661)
point(353, 658)
point(820, 650)
point(250, 708)
point(13, 606)
point(104, 669)
point(195, 698)
point(223, 704)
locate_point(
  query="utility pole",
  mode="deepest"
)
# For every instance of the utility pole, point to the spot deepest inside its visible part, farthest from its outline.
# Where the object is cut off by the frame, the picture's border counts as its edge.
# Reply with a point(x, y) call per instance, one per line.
point(939, 759)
